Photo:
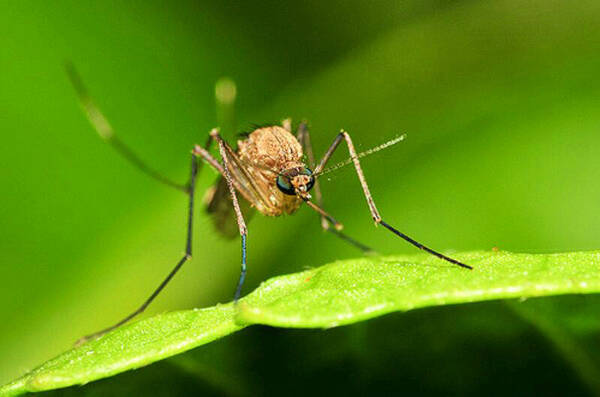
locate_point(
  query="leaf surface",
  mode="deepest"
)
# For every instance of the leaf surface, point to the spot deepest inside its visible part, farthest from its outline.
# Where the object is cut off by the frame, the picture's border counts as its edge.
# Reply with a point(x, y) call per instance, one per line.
point(339, 293)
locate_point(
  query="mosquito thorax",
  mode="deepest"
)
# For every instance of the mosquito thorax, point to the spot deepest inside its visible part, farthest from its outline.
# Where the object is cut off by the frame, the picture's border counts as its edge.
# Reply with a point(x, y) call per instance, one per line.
point(296, 181)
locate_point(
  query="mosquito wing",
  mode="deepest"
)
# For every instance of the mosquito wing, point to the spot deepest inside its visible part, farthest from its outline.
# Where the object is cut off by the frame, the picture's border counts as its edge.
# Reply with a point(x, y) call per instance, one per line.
point(251, 180)
point(220, 207)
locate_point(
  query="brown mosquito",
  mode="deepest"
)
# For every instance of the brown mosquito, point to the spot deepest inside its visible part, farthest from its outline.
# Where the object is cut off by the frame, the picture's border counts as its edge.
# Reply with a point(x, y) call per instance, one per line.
point(266, 171)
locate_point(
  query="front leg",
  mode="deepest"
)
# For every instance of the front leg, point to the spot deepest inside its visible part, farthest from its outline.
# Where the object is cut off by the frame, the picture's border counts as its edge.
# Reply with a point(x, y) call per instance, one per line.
point(236, 205)
point(303, 137)
point(344, 136)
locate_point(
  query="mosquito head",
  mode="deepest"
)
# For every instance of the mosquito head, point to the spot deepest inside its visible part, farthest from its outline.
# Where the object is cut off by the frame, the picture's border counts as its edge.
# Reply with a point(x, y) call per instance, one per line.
point(296, 181)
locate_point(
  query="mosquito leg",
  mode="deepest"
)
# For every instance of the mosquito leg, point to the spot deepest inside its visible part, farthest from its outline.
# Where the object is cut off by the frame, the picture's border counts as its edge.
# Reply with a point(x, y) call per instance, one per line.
point(238, 212)
point(185, 258)
point(338, 226)
point(195, 168)
point(106, 132)
point(303, 137)
point(225, 95)
point(343, 135)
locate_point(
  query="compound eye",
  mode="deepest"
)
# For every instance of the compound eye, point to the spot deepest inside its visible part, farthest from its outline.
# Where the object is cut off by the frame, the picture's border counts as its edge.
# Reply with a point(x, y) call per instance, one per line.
point(310, 183)
point(283, 184)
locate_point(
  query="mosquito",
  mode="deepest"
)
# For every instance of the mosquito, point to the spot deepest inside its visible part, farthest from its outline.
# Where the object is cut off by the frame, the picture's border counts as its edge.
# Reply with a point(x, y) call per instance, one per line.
point(266, 173)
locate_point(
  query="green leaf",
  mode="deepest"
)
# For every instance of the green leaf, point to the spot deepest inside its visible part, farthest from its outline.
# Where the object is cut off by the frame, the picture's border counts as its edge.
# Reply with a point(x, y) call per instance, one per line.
point(129, 347)
point(342, 292)
point(348, 291)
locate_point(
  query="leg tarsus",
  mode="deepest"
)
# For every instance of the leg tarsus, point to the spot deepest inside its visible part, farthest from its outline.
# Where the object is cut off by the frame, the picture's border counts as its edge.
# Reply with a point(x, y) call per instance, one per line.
point(238, 212)
point(423, 247)
point(364, 248)
point(163, 284)
point(238, 289)
point(372, 208)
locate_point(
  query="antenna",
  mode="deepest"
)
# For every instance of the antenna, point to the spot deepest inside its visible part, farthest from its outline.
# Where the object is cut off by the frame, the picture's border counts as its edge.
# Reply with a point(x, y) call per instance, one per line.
point(375, 149)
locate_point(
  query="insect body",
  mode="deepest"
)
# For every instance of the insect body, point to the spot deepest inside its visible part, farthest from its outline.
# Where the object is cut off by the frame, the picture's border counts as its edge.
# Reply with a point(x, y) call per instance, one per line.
point(267, 173)
point(275, 169)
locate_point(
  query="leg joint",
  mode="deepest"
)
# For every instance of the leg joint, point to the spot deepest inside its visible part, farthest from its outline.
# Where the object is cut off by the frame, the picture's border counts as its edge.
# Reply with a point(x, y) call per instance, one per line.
point(197, 150)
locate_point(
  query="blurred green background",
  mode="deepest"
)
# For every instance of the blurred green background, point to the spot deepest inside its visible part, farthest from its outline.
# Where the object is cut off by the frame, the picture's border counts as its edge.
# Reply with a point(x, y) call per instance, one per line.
point(501, 104)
